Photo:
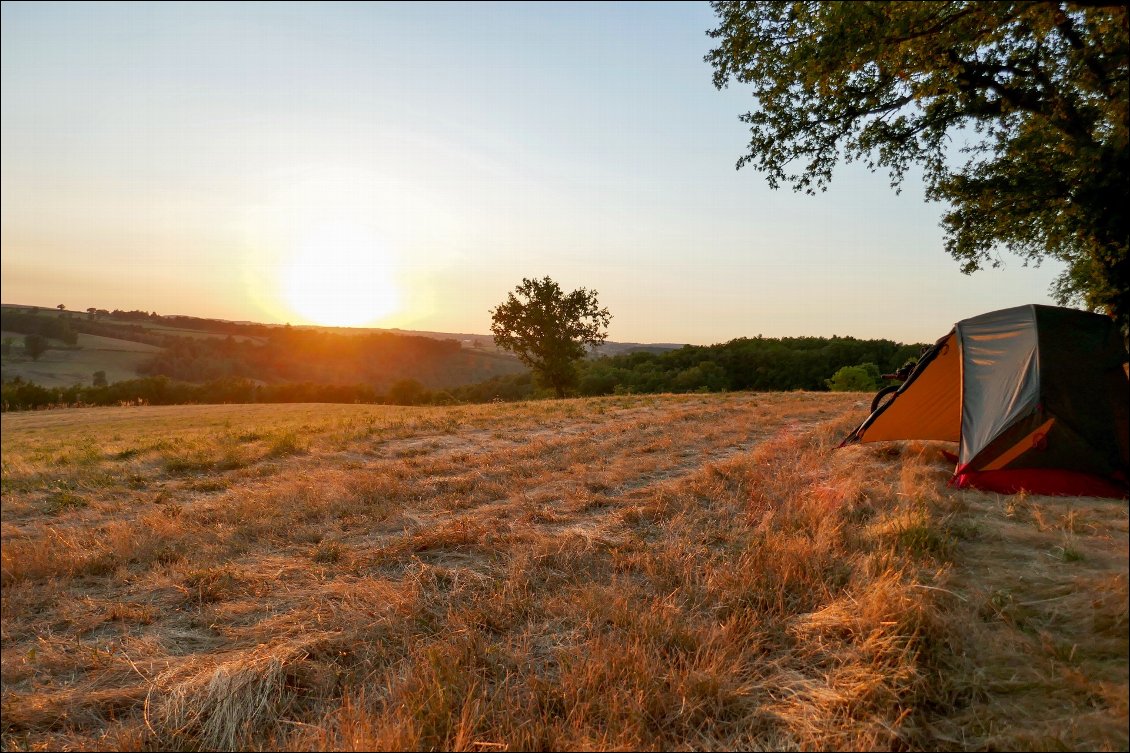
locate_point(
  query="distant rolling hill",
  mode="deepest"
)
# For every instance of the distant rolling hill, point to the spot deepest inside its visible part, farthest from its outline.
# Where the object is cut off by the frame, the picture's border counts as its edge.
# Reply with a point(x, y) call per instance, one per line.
point(617, 349)
point(65, 366)
point(486, 342)
point(128, 344)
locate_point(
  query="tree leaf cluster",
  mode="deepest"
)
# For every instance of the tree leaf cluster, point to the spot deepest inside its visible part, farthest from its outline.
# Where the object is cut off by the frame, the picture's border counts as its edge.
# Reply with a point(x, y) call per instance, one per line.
point(1016, 113)
point(862, 378)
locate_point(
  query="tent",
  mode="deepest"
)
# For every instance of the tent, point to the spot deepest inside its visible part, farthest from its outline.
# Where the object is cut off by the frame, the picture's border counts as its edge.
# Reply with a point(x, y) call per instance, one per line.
point(1037, 398)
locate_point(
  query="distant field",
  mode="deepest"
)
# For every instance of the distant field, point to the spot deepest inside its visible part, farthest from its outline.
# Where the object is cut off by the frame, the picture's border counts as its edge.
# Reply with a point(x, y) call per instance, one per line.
point(647, 572)
point(63, 368)
point(161, 329)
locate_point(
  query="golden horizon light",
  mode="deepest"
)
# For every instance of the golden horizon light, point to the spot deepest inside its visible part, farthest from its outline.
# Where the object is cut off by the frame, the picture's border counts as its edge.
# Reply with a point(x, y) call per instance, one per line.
point(339, 275)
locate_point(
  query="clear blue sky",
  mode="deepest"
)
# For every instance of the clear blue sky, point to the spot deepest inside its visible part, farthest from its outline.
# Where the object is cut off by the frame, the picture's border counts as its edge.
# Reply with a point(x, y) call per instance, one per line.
point(405, 165)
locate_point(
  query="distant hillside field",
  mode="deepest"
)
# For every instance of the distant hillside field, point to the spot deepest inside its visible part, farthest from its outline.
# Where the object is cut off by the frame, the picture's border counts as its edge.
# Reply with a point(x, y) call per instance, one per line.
point(62, 368)
point(197, 350)
point(663, 572)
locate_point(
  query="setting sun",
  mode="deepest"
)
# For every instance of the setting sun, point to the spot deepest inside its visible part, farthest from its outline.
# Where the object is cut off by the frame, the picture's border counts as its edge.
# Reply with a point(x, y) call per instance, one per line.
point(339, 276)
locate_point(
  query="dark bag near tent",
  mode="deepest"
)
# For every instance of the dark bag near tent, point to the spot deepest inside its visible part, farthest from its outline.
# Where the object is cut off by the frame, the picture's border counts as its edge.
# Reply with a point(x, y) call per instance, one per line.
point(1036, 396)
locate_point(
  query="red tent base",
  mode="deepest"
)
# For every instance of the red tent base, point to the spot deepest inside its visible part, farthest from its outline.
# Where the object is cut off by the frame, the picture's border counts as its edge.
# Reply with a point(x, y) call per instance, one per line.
point(1040, 481)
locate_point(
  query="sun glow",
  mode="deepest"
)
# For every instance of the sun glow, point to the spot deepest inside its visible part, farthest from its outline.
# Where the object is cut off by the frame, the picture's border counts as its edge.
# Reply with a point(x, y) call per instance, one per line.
point(340, 276)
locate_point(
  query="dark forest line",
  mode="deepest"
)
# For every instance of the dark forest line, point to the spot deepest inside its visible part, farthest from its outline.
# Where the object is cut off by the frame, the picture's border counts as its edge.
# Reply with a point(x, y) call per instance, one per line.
point(301, 366)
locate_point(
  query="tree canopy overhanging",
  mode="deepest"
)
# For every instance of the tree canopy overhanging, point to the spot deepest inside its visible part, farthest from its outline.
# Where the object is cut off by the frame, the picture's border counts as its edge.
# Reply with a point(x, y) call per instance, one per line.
point(1038, 90)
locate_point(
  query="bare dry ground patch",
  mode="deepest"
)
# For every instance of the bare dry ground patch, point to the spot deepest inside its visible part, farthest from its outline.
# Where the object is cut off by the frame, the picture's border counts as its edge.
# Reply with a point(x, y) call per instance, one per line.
point(653, 572)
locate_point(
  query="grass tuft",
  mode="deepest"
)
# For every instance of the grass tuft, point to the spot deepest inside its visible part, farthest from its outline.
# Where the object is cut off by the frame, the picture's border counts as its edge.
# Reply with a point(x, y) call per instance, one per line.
point(224, 706)
point(286, 443)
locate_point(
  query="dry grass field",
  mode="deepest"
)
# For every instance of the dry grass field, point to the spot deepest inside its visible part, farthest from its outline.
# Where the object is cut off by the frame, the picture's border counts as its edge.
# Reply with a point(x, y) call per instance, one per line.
point(657, 572)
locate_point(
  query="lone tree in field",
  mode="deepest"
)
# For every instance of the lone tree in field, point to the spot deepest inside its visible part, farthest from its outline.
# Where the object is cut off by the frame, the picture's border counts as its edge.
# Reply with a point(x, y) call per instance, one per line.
point(1037, 89)
point(35, 346)
point(550, 330)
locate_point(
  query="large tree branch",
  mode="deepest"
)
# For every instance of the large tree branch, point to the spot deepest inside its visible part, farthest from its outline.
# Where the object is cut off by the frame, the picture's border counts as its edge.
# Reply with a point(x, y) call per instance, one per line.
point(852, 114)
point(979, 76)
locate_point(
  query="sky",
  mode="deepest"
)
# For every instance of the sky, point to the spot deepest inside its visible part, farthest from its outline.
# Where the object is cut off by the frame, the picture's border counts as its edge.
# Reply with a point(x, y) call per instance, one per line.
point(407, 165)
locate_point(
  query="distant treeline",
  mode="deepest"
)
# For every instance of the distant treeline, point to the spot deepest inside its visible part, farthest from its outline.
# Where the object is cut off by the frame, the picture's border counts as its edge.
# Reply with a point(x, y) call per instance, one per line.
point(759, 363)
point(300, 365)
point(381, 360)
point(53, 327)
point(20, 395)
point(378, 359)
point(218, 326)
point(67, 328)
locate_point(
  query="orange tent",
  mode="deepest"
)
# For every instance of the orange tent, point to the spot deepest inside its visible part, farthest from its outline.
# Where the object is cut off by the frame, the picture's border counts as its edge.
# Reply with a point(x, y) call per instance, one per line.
point(1036, 397)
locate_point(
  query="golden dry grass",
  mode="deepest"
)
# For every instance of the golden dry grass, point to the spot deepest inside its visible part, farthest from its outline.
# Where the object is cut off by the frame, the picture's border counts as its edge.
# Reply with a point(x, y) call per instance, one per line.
point(663, 572)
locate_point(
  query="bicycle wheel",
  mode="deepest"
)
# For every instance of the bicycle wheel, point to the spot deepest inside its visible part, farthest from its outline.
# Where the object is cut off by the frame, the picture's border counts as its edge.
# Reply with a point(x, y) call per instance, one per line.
point(878, 399)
